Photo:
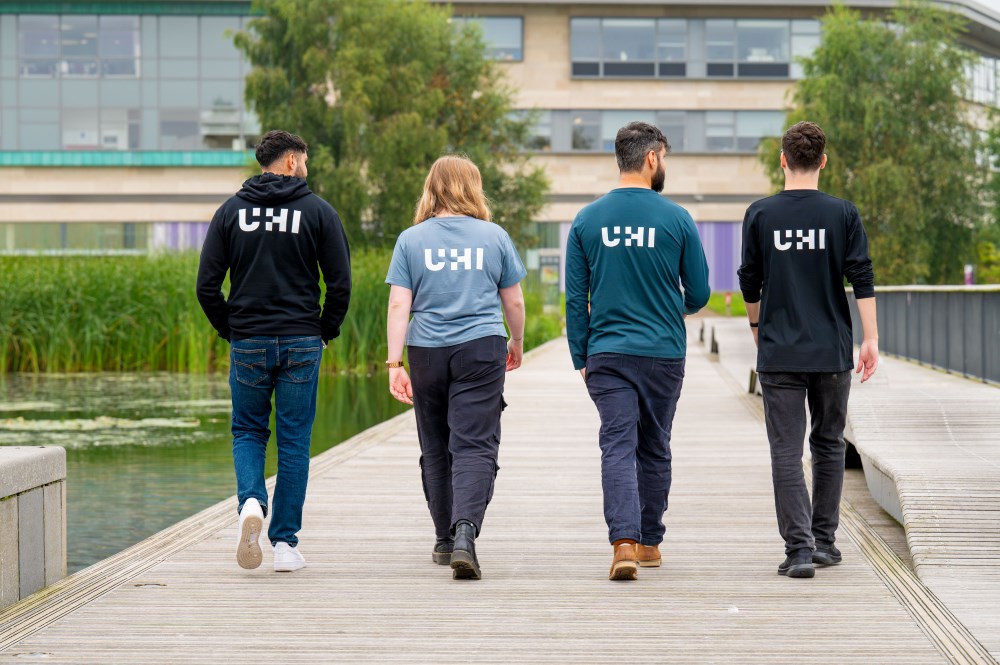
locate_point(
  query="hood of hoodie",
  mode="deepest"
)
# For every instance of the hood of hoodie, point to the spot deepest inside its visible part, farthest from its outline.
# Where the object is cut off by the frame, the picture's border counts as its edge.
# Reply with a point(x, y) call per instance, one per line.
point(273, 188)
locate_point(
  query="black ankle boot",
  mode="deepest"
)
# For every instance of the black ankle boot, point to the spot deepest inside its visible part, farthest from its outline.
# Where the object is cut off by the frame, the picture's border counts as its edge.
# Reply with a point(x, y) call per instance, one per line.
point(442, 551)
point(464, 565)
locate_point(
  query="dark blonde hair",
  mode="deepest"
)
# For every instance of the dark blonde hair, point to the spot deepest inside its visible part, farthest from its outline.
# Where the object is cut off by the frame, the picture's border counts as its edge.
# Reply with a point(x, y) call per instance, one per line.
point(455, 184)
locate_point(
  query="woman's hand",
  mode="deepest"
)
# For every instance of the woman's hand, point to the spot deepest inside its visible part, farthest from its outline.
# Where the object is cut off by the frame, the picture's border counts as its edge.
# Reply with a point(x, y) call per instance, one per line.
point(515, 353)
point(399, 385)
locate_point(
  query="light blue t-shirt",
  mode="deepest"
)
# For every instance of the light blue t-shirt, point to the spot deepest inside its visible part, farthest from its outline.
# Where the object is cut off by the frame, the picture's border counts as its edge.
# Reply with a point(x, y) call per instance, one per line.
point(455, 267)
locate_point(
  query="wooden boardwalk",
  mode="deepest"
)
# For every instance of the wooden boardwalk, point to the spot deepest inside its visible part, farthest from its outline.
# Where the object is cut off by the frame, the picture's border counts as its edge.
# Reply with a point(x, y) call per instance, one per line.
point(371, 594)
point(934, 442)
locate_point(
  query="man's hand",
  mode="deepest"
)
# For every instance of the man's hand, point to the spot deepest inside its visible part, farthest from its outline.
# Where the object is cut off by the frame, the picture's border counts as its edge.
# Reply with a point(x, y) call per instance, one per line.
point(399, 385)
point(756, 336)
point(583, 373)
point(868, 359)
point(515, 354)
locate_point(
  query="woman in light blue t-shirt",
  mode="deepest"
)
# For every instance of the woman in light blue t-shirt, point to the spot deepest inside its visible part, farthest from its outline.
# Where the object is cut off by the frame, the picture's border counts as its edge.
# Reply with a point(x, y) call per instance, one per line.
point(457, 274)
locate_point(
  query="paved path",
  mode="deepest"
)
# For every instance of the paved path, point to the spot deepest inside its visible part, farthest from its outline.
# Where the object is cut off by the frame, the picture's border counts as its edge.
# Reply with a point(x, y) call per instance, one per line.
point(371, 594)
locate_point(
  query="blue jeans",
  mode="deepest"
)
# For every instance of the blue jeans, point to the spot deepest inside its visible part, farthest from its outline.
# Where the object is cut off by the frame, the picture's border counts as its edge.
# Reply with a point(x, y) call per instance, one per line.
point(636, 397)
point(288, 367)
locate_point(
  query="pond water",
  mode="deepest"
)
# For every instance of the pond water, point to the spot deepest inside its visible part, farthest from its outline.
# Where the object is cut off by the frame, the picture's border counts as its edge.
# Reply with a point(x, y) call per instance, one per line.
point(144, 451)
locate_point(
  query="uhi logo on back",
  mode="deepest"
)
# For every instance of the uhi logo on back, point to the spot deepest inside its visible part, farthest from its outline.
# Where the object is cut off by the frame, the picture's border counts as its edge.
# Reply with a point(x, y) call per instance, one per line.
point(801, 239)
point(277, 219)
point(461, 259)
point(640, 237)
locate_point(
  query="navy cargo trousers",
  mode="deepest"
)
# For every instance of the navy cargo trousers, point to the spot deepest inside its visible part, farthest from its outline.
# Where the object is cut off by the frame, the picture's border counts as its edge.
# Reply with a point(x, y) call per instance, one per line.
point(458, 397)
point(636, 397)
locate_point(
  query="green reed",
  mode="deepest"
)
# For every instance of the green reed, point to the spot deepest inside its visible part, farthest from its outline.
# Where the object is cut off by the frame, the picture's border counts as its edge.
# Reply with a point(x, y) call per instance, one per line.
point(140, 313)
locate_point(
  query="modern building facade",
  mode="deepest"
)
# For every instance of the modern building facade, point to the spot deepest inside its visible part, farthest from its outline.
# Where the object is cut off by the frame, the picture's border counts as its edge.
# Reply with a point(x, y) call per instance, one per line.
point(122, 125)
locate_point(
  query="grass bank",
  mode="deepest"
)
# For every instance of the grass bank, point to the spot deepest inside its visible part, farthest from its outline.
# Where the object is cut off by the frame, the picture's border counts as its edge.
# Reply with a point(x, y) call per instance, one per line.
point(138, 313)
point(717, 304)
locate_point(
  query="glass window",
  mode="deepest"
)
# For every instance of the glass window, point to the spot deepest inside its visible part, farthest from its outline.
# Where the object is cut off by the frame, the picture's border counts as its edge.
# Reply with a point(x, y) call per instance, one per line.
point(180, 130)
point(79, 46)
point(540, 137)
point(672, 124)
point(179, 94)
point(115, 129)
point(121, 93)
point(586, 130)
point(762, 41)
point(671, 47)
point(504, 35)
point(39, 68)
point(78, 36)
point(752, 126)
point(585, 46)
point(178, 37)
point(762, 48)
point(80, 130)
point(221, 94)
point(221, 69)
point(119, 68)
point(38, 36)
point(720, 40)
point(628, 47)
point(612, 121)
point(179, 69)
point(625, 40)
point(36, 135)
point(119, 37)
point(805, 40)
point(719, 131)
point(215, 43)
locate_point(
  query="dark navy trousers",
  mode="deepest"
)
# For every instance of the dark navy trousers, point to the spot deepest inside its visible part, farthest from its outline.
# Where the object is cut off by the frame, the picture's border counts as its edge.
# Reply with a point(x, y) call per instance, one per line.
point(636, 397)
point(458, 397)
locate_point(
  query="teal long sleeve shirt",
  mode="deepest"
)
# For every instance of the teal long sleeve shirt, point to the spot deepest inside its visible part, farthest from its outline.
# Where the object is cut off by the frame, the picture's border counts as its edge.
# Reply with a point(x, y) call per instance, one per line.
point(635, 258)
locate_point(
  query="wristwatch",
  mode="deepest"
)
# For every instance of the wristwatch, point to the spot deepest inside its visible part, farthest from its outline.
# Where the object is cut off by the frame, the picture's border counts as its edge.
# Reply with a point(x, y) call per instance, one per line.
point(393, 365)
point(754, 324)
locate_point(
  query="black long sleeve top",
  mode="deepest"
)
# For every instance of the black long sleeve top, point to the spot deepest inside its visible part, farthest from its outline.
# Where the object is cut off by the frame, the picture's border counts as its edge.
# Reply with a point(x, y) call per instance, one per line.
point(798, 246)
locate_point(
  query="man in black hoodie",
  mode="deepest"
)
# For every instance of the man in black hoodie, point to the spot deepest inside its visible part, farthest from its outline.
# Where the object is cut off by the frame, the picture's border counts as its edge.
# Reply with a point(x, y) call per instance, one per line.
point(274, 237)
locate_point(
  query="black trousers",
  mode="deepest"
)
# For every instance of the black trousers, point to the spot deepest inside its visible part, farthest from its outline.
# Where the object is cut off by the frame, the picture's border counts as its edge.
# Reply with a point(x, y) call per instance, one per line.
point(458, 397)
point(805, 523)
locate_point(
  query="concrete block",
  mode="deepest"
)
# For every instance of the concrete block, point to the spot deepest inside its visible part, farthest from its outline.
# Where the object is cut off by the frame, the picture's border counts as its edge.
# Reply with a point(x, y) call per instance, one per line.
point(23, 468)
point(55, 555)
point(10, 576)
point(31, 541)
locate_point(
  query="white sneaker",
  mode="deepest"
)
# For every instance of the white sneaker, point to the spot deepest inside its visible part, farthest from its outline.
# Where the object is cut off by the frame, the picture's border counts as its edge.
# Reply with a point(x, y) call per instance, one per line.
point(248, 553)
point(287, 558)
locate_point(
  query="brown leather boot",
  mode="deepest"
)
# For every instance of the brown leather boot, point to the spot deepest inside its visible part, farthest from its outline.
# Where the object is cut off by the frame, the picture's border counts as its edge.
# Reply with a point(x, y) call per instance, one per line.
point(648, 555)
point(624, 566)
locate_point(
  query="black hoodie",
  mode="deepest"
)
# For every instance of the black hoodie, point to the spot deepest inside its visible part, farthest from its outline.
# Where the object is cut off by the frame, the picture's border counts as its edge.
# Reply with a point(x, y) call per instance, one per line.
point(274, 236)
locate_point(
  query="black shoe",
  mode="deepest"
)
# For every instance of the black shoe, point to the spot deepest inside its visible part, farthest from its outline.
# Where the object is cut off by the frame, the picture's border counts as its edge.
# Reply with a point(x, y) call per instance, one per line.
point(442, 551)
point(464, 565)
point(827, 555)
point(798, 564)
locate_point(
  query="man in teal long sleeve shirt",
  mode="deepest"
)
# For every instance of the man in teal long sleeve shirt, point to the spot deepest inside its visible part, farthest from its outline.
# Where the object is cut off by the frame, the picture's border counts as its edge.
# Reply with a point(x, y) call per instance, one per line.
point(628, 256)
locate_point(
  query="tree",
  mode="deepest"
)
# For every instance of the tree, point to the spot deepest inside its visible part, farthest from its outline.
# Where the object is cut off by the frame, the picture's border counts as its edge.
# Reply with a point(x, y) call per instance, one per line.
point(380, 89)
point(900, 137)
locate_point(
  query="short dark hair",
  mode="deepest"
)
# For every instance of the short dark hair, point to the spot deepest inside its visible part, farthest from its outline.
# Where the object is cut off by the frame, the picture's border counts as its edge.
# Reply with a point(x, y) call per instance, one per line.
point(803, 145)
point(633, 143)
point(276, 144)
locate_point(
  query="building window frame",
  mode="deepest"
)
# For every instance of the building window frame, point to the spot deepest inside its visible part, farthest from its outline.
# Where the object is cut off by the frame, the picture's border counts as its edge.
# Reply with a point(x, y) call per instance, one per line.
point(463, 19)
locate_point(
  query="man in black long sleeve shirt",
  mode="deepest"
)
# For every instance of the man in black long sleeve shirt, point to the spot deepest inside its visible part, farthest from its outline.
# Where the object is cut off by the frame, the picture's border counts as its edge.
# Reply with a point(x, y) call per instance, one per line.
point(273, 238)
point(798, 246)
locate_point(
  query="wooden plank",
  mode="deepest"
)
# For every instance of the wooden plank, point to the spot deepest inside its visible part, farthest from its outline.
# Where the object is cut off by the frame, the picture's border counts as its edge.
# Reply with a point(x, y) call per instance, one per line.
point(371, 594)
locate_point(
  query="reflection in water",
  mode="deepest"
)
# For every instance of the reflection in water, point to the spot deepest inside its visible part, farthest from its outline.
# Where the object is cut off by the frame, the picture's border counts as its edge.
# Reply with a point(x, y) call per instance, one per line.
point(144, 451)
